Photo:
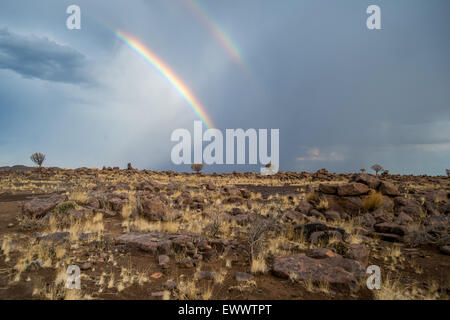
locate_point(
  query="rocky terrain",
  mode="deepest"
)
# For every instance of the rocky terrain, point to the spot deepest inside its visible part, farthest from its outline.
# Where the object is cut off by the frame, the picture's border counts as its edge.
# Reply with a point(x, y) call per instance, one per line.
point(163, 235)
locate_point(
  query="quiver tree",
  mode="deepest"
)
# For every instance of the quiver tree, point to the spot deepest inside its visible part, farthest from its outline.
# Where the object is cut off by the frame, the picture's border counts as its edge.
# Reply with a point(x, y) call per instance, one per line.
point(38, 158)
point(197, 167)
point(377, 168)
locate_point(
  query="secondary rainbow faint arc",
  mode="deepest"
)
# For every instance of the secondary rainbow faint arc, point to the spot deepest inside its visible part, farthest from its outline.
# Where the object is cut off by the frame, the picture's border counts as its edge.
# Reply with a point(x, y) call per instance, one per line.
point(174, 80)
point(223, 38)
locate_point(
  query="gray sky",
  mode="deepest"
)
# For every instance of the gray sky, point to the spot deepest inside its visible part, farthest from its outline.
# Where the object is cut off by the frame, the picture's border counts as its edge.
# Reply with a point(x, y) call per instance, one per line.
point(344, 97)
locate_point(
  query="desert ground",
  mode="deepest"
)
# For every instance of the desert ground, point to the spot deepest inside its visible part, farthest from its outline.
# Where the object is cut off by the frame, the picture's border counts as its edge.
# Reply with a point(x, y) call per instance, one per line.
point(141, 234)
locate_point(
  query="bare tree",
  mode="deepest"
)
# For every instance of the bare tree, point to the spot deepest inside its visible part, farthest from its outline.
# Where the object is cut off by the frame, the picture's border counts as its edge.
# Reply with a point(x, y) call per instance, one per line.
point(197, 167)
point(38, 158)
point(377, 168)
point(255, 235)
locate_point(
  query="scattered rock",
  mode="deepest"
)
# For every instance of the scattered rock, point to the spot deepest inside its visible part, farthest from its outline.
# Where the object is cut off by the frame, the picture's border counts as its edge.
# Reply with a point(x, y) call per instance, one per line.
point(352, 189)
point(154, 209)
point(322, 253)
point(156, 275)
point(158, 294)
point(34, 265)
point(388, 189)
point(445, 250)
point(387, 237)
point(359, 253)
point(170, 285)
point(163, 261)
point(388, 227)
point(86, 266)
point(309, 228)
point(328, 188)
point(38, 208)
point(404, 219)
point(332, 215)
point(205, 275)
point(242, 276)
point(162, 243)
point(368, 180)
point(335, 271)
point(186, 263)
point(55, 237)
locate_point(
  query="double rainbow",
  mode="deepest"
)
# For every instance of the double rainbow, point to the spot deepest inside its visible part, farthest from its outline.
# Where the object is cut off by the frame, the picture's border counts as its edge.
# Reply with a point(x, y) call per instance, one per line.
point(174, 80)
point(222, 37)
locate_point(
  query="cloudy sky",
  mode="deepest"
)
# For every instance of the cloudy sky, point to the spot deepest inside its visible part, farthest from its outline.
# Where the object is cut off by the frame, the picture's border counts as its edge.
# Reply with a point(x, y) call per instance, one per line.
point(344, 97)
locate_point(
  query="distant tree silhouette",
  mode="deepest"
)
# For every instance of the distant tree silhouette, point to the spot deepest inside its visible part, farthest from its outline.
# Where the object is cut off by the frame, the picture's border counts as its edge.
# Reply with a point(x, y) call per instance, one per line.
point(448, 172)
point(197, 167)
point(377, 168)
point(38, 158)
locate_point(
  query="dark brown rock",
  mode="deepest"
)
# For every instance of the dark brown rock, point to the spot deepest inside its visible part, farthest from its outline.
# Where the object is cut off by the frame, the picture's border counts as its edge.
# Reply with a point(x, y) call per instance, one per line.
point(389, 227)
point(359, 253)
point(243, 277)
point(352, 189)
point(329, 270)
point(38, 208)
point(368, 180)
point(328, 188)
point(322, 253)
point(389, 189)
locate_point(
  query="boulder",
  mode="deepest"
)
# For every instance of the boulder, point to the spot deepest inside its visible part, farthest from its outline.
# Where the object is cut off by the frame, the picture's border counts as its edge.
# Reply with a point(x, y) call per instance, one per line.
point(38, 208)
point(403, 219)
point(322, 253)
point(336, 271)
point(332, 215)
point(350, 205)
point(154, 209)
point(368, 220)
point(445, 250)
point(243, 277)
point(304, 207)
point(205, 275)
point(390, 227)
point(352, 189)
point(389, 189)
point(163, 261)
point(328, 188)
point(390, 237)
point(309, 228)
point(359, 253)
point(368, 180)
point(162, 243)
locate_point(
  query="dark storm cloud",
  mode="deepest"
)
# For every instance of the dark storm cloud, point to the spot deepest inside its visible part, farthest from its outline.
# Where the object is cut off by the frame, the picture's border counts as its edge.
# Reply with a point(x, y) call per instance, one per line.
point(40, 57)
point(344, 97)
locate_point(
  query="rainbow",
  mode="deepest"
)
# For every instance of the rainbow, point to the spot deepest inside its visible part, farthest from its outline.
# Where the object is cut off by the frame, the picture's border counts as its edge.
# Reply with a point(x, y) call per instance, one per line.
point(174, 80)
point(220, 34)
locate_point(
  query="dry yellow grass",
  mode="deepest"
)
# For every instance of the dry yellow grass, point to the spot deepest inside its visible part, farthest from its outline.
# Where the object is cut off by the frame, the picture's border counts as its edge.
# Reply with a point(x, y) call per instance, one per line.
point(372, 202)
point(258, 265)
